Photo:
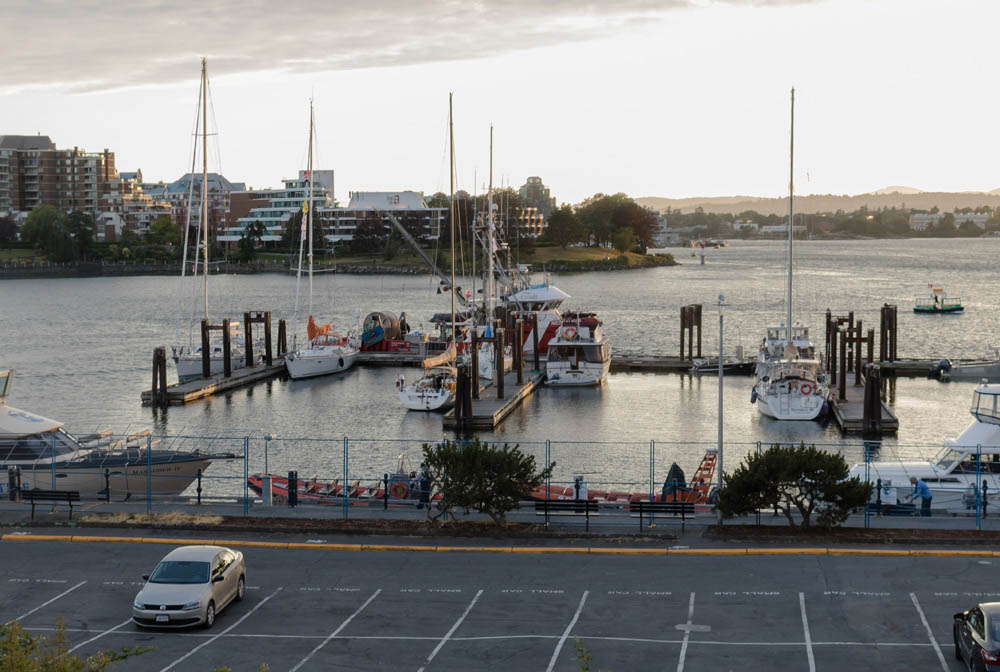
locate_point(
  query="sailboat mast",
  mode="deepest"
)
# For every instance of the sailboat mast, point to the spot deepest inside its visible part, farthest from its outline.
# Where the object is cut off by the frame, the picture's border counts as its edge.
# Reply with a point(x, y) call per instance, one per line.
point(451, 170)
point(309, 173)
point(491, 236)
point(204, 170)
point(791, 194)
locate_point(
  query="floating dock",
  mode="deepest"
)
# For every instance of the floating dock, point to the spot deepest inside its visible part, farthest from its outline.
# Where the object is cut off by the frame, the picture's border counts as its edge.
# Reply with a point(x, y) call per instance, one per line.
point(179, 394)
point(849, 413)
point(488, 411)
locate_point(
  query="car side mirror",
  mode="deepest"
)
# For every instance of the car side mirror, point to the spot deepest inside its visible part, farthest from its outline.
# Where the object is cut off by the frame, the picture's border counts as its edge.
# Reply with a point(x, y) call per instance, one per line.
point(216, 579)
point(145, 577)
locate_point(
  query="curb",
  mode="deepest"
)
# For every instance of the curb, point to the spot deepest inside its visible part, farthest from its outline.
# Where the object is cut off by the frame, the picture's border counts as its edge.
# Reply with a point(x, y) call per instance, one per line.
point(525, 550)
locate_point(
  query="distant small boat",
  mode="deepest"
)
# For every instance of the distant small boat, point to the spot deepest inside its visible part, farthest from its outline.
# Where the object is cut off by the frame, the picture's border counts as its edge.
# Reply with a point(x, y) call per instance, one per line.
point(937, 302)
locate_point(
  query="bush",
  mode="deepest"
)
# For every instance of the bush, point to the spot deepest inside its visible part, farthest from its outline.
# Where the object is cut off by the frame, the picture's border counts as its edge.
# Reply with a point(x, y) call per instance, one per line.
point(24, 652)
point(794, 479)
point(481, 477)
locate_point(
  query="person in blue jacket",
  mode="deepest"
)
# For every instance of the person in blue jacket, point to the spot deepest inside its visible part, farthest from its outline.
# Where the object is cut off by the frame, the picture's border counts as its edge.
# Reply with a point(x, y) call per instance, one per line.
point(921, 490)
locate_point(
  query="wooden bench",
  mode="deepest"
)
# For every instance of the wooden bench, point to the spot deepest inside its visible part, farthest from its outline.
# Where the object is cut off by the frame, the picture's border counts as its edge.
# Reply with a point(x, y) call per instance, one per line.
point(67, 496)
point(566, 507)
point(652, 508)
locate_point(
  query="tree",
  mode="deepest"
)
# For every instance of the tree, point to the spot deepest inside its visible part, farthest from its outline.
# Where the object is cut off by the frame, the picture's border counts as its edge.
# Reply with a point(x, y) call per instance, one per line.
point(369, 235)
point(163, 231)
point(81, 229)
point(24, 652)
point(794, 479)
point(252, 234)
point(46, 229)
point(596, 212)
point(8, 230)
point(564, 227)
point(640, 220)
point(624, 240)
point(482, 477)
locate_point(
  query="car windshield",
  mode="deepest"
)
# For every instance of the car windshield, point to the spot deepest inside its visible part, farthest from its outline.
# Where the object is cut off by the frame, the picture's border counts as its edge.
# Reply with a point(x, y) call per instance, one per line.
point(180, 571)
point(995, 628)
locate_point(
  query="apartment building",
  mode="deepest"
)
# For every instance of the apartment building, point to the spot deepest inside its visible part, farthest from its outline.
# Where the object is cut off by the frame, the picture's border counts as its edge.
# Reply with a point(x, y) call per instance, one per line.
point(410, 208)
point(534, 194)
point(187, 189)
point(275, 207)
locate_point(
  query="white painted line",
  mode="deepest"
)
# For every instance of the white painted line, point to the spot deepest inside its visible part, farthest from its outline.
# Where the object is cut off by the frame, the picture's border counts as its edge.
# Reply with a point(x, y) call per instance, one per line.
point(110, 630)
point(937, 649)
point(215, 637)
point(450, 632)
point(337, 631)
point(687, 636)
point(805, 629)
point(562, 640)
point(29, 613)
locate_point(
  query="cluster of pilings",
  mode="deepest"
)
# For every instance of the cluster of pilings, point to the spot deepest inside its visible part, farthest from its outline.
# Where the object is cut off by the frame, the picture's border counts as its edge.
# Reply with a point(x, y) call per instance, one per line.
point(690, 321)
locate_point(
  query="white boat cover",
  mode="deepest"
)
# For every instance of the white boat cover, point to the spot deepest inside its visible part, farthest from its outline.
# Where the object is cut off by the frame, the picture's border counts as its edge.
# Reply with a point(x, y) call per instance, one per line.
point(16, 423)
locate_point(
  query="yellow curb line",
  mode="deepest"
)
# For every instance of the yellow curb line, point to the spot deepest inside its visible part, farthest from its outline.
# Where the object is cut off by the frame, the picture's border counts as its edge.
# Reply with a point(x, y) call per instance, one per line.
point(521, 550)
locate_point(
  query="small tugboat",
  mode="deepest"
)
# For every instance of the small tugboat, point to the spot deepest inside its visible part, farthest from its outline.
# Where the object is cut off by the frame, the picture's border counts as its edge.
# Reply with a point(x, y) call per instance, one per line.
point(937, 302)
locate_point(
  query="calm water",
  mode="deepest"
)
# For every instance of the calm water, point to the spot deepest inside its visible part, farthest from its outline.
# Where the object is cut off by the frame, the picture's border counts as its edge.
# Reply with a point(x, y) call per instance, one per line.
point(82, 351)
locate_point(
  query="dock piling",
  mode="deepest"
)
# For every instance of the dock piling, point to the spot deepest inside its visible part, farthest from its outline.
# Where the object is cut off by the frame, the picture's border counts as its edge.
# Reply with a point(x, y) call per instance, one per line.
point(206, 361)
point(282, 340)
point(518, 350)
point(500, 372)
point(474, 369)
point(158, 396)
point(268, 354)
point(534, 332)
point(842, 378)
point(227, 350)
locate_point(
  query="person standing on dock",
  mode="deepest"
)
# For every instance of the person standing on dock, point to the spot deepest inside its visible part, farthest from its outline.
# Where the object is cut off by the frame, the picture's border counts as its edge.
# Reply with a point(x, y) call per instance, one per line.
point(920, 489)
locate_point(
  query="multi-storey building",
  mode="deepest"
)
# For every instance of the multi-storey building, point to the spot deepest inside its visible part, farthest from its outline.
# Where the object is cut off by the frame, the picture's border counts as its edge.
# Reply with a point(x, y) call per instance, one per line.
point(275, 207)
point(534, 194)
point(187, 189)
point(424, 223)
point(127, 206)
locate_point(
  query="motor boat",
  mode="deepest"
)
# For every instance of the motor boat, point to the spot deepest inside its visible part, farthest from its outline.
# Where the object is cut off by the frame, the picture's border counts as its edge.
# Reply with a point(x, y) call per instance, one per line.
point(579, 354)
point(50, 458)
point(960, 469)
point(988, 370)
point(433, 391)
point(937, 302)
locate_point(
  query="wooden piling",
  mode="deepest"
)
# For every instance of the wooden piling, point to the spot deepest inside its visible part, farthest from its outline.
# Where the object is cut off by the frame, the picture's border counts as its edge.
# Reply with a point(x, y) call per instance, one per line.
point(858, 340)
point(518, 350)
point(282, 339)
point(474, 369)
point(534, 331)
point(158, 394)
point(267, 338)
point(498, 358)
point(206, 355)
point(227, 349)
point(842, 359)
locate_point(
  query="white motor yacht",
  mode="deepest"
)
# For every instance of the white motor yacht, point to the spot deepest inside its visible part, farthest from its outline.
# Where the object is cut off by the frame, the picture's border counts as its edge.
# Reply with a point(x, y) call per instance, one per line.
point(579, 354)
point(958, 471)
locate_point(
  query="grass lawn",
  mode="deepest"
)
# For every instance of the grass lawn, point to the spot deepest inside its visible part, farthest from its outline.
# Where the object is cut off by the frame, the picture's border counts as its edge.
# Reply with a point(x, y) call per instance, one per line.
point(15, 255)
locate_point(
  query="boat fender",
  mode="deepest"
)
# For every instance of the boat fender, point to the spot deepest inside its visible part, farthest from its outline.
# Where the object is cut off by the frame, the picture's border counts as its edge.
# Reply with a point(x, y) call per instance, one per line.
point(753, 396)
point(399, 490)
point(806, 389)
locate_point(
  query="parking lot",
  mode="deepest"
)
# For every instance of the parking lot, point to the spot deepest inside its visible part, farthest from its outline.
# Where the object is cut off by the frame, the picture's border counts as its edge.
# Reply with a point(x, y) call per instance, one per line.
point(320, 610)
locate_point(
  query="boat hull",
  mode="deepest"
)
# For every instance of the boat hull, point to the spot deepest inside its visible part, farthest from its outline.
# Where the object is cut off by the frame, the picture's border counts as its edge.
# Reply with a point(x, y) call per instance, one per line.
point(586, 374)
point(168, 478)
point(426, 400)
point(319, 362)
point(791, 406)
point(189, 366)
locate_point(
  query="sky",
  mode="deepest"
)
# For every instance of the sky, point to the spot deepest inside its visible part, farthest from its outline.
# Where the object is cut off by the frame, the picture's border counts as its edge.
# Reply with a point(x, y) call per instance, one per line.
point(672, 98)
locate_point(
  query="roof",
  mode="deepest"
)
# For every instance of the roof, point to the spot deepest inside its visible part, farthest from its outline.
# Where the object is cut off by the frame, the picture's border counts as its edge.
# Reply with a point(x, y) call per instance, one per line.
point(387, 200)
point(15, 422)
point(215, 181)
point(26, 142)
point(203, 553)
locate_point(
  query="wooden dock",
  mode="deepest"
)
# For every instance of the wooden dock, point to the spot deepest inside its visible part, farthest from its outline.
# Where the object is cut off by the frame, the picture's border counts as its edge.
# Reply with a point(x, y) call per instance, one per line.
point(488, 411)
point(849, 414)
point(179, 394)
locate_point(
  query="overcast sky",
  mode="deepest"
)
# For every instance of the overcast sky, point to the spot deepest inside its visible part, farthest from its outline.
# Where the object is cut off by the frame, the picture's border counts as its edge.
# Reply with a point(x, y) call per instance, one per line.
point(648, 97)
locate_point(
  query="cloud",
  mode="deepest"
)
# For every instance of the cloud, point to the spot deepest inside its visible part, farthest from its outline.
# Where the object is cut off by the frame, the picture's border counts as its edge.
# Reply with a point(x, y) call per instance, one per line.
point(88, 45)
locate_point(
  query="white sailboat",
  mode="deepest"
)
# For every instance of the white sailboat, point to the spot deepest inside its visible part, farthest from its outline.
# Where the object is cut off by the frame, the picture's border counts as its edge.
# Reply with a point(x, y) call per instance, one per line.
point(790, 381)
point(189, 359)
point(435, 390)
point(325, 352)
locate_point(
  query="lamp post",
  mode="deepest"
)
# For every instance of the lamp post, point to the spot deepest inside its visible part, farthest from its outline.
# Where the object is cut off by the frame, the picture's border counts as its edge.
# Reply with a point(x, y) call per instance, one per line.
point(721, 303)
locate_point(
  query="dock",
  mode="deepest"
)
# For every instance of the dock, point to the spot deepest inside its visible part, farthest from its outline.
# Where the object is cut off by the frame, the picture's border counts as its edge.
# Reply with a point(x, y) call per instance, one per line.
point(849, 413)
point(179, 394)
point(488, 411)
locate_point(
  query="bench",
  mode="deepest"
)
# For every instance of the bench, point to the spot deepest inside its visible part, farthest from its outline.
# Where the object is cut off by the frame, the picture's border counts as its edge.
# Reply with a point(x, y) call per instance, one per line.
point(652, 508)
point(566, 507)
point(67, 496)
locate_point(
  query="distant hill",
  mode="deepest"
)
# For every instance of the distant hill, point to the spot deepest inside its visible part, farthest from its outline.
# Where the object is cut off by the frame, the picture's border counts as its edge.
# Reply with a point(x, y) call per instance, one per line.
point(899, 197)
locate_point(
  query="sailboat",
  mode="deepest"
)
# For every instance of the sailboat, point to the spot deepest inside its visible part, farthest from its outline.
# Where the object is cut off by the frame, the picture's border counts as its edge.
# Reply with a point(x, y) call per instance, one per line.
point(790, 381)
point(435, 389)
point(188, 359)
point(326, 352)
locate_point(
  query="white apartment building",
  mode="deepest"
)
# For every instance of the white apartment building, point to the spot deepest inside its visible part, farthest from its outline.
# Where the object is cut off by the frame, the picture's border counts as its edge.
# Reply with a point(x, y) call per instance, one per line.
point(282, 205)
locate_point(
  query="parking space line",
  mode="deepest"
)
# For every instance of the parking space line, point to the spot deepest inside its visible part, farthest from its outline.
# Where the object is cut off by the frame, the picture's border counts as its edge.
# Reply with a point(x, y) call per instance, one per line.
point(569, 628)
point(923, 619)
point(687, 635)
point(206, 643)
point(96, 637)
point(451, 632)
point(337, 631)
point(805, 629)
point(45, 604)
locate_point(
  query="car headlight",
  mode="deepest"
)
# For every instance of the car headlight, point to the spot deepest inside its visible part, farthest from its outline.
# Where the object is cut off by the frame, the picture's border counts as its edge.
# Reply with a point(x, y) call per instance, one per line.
point(191, 605)
point(138, 605)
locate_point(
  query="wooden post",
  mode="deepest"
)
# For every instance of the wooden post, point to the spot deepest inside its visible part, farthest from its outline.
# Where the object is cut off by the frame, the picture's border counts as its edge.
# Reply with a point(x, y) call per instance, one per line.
point(163, 377)
point(158, 393)
point(267, 338)
point(206, 355)
point(282, 342)
point(227, 349)
point(895, 333)
point(697, 320)
point(832, 366)
point(882, 349)
point(534, 331)
point(826, 353)
point(519, 350)
point(842, 378)
point(248, 358)
point(474, 369)
point(461, 389)
point(858, 339)
point(850, 342)
point(871, 345)
point(684, 318)
point(498, 356)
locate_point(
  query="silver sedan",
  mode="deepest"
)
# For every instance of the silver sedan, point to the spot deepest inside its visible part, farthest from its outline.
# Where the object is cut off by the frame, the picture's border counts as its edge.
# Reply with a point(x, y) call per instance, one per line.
point(190, 586)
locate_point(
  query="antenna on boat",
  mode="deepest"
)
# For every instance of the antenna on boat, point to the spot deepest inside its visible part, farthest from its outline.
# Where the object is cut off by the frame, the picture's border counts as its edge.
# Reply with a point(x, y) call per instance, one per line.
point(791, 195)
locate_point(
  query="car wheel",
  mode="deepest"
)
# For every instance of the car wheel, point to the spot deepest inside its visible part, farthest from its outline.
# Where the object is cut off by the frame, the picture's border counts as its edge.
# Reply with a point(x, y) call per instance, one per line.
point(210, 614)
point(241, 589)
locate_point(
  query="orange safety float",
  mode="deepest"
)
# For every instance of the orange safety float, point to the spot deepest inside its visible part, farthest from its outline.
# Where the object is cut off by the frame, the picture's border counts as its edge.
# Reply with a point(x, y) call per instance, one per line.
point(806, 388)
point(399, 490)
point(569, 333)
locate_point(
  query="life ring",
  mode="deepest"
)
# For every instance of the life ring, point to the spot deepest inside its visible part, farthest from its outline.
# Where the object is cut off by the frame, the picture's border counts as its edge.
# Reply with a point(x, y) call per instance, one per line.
point(806, 388)
point(569, 333)
point(399, 490)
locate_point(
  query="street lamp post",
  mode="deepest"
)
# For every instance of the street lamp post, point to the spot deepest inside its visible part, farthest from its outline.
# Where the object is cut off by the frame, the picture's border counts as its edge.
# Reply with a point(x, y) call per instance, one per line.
point(721, 303)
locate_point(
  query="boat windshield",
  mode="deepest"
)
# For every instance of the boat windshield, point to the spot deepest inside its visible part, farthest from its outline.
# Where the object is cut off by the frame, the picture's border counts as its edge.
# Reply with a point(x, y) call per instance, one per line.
point(949, 457)
point(36, 446)
point(984, 404)
point(180, 571)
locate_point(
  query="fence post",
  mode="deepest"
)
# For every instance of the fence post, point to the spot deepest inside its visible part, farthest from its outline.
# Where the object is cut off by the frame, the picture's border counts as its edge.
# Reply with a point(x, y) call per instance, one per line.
point(758, 510)
point(652, 469)
point(868, 479)
point(246, 476)
point(52, 456)
point(149, 474)
point(548, 463)
point(979, 478)
point(347, 486)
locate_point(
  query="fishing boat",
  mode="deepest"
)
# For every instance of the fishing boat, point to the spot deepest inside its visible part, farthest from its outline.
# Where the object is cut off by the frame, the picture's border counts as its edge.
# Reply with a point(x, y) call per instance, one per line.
point(960, 469)
point(580, 353)
point(937, 302)
point(325, 352)
point(790, 382)
point(50, 458)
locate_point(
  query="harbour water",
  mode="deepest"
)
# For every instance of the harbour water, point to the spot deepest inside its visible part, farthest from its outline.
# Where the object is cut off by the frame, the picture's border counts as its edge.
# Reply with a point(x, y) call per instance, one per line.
point(82, 350)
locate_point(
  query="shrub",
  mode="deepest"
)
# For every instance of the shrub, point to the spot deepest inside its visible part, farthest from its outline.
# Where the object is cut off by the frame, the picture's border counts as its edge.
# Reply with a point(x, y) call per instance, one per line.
point(794, 479)
point(21, 651)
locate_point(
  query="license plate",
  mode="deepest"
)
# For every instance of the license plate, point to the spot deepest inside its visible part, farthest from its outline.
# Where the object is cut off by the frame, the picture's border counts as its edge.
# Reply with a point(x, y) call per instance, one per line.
point(162, 618)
